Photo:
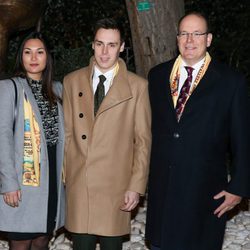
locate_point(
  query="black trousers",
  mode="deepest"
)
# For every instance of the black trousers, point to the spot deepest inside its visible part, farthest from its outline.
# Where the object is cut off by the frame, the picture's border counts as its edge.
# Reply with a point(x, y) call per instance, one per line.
point(88, 242)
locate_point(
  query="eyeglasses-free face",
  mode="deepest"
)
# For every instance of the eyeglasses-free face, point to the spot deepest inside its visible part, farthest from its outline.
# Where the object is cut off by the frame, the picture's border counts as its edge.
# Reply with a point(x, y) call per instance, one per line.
point(193, 39)
point(107, 47)
point(34, 58)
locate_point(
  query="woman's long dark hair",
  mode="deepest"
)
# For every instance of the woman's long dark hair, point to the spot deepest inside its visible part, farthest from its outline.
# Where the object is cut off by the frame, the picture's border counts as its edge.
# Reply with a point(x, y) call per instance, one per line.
point(48, 72)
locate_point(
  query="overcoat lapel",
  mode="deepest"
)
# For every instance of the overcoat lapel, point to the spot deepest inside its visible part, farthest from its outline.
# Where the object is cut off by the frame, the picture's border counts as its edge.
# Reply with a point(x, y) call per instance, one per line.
point(119, 92)
point(206, 82)
point(166, 82)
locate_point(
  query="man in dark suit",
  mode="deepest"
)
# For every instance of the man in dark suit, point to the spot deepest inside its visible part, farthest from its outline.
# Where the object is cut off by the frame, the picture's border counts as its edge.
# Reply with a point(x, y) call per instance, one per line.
point(199, 114)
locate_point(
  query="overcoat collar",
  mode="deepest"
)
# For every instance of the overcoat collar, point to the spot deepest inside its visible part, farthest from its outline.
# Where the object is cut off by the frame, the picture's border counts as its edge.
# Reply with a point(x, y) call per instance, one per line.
point(119, 91)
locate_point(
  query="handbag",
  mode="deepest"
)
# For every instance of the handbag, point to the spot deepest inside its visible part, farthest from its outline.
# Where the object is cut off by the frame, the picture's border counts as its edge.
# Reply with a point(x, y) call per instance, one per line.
point(15, 107)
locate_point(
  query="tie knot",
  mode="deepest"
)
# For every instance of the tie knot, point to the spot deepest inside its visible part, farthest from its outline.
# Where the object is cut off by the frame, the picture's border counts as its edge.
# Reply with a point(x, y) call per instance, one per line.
point(189, 70)
point(102, 78)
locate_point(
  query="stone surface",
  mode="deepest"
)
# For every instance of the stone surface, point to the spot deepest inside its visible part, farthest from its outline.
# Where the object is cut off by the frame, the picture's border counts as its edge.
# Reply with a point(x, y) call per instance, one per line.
point(237, 235)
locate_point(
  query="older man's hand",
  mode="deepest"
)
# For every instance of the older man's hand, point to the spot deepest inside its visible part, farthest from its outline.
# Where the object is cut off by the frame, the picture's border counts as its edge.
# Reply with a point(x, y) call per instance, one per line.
point(231, 200)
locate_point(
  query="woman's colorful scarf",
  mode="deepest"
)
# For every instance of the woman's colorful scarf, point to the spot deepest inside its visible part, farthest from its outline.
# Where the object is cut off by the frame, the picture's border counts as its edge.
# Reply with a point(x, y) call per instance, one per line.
point(31, 157)
point(175, 77)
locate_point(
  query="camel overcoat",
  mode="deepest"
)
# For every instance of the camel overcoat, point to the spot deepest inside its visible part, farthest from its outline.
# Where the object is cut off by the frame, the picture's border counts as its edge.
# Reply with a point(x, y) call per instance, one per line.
point(31, 214)
point(105, 155)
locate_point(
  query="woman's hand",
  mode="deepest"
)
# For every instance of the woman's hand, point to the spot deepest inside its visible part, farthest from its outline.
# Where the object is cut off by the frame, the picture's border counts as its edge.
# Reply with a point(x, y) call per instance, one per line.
point(12, 198)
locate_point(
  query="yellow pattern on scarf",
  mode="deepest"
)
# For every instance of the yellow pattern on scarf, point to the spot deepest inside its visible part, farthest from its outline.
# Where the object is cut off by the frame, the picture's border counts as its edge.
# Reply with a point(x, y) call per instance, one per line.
point(175, 77)
point(31, 157)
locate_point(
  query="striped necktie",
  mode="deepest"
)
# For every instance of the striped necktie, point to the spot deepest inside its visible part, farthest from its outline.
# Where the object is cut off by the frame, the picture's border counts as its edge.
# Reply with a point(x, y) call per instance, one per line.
point(184, 93)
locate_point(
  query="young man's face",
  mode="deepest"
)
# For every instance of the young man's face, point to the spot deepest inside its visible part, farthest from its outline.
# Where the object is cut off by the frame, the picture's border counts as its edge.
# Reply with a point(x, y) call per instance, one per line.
point(107, 47)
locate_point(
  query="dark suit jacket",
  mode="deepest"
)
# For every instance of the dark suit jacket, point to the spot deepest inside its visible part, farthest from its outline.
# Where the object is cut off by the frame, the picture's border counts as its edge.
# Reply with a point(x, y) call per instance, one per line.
point(188, 159)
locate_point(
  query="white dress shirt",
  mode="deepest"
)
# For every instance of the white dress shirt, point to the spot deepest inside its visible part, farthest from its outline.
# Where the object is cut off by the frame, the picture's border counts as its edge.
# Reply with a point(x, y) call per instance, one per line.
point(108, 82)
point(184, 75)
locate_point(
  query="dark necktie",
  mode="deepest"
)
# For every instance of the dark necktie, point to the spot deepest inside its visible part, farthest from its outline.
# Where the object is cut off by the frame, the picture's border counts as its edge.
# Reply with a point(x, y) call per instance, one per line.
point(184, 93)
point(99, 93)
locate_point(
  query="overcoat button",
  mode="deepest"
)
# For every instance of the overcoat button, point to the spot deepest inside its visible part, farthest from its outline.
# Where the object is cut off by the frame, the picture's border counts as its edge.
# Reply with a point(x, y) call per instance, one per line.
point(84, 137)
point(81, 115)
point(80, 94)
point(176, 135)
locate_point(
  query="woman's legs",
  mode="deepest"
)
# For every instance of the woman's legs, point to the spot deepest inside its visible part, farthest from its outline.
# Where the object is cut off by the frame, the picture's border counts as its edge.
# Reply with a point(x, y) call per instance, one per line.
point(40, 243)
point(37, 243)
point(20, 244)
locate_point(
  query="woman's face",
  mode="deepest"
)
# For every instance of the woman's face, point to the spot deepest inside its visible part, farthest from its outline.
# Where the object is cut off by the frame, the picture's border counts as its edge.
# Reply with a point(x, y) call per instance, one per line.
point(34, 58)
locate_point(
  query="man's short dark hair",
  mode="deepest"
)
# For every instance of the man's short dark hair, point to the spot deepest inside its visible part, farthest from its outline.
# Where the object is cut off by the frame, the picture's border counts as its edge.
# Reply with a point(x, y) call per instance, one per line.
point(196, 13)
point(109, 23)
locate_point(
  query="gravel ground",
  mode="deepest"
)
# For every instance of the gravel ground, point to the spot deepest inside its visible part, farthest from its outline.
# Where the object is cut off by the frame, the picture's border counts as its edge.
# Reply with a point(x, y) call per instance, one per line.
point(237, 236)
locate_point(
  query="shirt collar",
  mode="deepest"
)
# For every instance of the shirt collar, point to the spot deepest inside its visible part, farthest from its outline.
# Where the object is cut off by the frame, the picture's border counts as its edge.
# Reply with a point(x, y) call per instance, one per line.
point(196, 66)
point(108, 74)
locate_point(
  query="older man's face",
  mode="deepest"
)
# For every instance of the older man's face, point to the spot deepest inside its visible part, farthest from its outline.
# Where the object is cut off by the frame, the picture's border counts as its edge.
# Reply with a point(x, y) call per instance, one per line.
point(193, 39)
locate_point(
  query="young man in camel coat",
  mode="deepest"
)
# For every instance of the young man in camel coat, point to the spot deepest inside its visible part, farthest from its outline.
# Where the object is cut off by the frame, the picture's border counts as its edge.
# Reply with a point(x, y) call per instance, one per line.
point(107, 146)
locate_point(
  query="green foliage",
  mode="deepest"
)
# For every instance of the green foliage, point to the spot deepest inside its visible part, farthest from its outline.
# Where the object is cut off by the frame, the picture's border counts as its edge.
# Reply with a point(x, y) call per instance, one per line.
point(68, 25)
point(71, 22)
point(67, 60)
point(230, 22)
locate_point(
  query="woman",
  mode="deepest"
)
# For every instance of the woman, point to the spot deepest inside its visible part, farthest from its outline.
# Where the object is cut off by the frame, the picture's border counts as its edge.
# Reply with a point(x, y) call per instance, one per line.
point(32, 202)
